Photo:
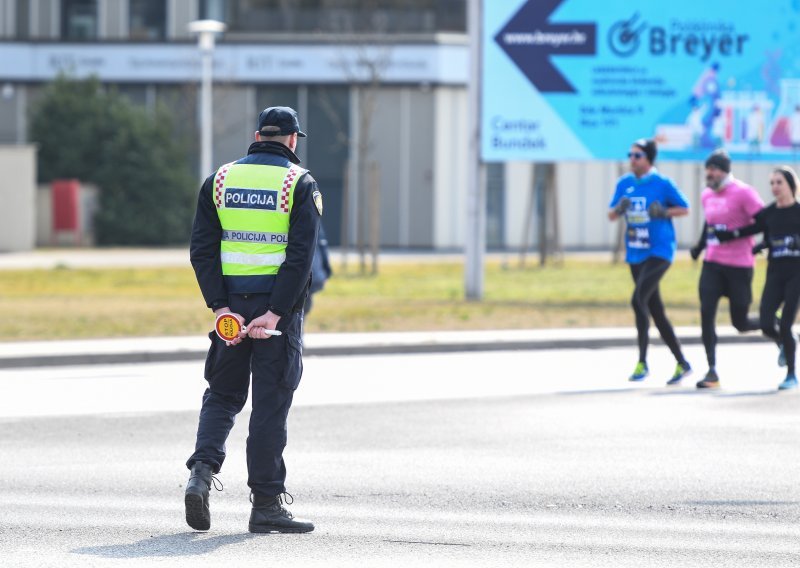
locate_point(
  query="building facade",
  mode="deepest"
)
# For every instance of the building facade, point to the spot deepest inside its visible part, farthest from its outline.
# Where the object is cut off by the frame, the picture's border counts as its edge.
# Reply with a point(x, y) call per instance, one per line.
point(381, 87)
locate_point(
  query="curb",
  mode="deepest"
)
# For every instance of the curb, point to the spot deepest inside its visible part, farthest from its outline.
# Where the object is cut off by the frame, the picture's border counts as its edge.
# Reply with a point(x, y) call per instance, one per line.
point(332, 350)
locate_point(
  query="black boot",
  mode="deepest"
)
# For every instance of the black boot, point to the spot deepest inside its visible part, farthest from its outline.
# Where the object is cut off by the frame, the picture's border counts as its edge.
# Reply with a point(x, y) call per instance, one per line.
point(198, 515)
point(269, 515)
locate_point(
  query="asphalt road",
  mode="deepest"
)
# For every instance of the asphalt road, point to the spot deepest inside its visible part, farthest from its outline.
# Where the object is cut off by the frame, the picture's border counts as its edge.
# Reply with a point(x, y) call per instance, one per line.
point(545, 458)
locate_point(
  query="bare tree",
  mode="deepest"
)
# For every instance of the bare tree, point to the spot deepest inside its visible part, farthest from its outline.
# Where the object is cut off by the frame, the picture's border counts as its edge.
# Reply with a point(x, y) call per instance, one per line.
point(364, 64)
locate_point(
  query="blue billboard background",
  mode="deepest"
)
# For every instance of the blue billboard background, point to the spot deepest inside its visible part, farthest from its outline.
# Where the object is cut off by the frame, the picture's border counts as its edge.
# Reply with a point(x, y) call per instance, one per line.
point(580, 79)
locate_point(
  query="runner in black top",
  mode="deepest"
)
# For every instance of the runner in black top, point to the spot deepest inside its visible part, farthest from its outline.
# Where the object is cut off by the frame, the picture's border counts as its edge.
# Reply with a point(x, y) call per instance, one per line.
point(780, 223)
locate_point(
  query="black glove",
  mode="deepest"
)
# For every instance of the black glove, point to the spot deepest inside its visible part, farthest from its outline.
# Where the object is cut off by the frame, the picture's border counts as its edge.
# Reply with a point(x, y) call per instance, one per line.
point(695, 251)
point(759, 247)
point(622, 206)
point(657, 211)
point(725, 236)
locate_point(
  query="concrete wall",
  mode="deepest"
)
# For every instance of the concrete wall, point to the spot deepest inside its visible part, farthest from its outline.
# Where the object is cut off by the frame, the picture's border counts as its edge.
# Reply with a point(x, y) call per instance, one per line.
point(389, 148)
point(421, 199)
point(45, 18)
point(449, 171)
point(8, 18)
point(233, 134)
point(179, 14)
point(18, 195)
point(113, 19)
point(12, 113)
point(402, 143)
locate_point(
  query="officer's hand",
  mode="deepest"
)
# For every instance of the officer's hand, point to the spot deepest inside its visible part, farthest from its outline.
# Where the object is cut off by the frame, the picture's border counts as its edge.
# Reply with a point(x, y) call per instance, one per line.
point(242, 333)
point(657, 211)
point(695, 251)
point(268, 321)
point(622, 206)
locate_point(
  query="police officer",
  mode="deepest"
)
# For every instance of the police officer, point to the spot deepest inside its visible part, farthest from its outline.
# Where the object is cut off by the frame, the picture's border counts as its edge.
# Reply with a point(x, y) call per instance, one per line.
point(252, 245)
point(320, 269)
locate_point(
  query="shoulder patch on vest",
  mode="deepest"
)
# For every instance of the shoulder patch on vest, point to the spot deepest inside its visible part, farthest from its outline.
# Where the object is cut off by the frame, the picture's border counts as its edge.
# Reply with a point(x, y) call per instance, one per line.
point(317, 197)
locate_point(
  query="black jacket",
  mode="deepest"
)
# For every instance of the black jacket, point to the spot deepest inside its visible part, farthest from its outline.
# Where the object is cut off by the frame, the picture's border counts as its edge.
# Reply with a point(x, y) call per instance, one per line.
point(289, 288)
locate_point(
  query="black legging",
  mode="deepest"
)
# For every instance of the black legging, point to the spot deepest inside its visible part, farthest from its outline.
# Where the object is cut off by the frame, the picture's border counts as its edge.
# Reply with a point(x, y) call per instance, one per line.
point(782, 287)
point(717, 281)
point(646, 301)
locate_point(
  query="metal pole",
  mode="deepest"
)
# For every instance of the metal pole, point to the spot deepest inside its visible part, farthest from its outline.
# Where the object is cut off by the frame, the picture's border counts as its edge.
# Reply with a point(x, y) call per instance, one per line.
point(206, 116)
point(206, 31)
point(475, 245)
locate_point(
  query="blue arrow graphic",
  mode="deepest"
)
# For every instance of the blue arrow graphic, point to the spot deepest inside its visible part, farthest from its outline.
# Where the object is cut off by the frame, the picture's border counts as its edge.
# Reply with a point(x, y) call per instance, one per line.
point(529, 39)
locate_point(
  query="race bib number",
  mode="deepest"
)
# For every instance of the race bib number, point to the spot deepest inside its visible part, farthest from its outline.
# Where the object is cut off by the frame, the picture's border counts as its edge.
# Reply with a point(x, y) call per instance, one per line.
point(638, 238)
point(637, 212)
point(711, 235)
point(783, 247)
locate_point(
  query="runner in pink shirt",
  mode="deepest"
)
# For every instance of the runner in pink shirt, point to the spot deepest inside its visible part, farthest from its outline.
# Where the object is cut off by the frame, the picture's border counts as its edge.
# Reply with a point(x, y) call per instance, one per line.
point(728, 204)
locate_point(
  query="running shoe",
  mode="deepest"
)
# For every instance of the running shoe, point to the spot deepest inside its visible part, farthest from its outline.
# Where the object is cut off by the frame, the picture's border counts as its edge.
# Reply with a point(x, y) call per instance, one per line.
point(640, 372)
point(710, 381)
point(781, 356)
point(790, 382)
point(681, 370)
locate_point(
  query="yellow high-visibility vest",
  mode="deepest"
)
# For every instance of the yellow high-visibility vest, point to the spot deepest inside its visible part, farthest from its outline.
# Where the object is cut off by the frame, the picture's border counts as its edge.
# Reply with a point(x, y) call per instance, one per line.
point(253, 203)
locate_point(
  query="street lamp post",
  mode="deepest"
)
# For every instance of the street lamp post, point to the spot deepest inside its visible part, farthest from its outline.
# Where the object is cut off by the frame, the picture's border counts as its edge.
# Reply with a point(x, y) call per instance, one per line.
point(206, 31)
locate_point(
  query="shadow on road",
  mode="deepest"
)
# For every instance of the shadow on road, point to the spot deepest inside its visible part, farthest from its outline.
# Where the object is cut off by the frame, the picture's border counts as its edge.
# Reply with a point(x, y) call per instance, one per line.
point(740, 503)
point(619, 390)
point(182, 544)
point(714, 393)
point(748, 393)
point(667, 391)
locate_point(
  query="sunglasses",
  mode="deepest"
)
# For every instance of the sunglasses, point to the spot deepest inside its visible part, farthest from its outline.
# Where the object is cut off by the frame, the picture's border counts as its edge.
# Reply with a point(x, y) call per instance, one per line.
point(636, 155)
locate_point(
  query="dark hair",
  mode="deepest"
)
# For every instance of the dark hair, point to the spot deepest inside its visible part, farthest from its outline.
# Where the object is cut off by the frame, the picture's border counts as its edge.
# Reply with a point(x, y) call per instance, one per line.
point(719, 159)
point(648, 146)
point(790, 176)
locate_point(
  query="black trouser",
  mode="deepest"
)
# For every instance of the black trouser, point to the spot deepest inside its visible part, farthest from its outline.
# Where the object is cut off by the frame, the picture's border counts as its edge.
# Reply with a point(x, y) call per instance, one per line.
point(646, 302)
point(781, 287)
point(276, 366)
point(734, 282)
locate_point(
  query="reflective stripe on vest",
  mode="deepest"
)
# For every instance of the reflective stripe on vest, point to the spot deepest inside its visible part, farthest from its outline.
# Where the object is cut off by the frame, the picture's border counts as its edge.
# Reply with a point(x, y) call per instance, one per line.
point(253, 203)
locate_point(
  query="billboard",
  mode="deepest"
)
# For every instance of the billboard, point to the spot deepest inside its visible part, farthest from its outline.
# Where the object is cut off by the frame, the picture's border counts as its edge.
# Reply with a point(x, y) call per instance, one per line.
point(580, 79)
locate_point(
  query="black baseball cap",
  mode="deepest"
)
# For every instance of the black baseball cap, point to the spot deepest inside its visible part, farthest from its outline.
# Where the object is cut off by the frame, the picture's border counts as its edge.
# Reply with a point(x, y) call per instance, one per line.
point(648, 146)
point(284, 118)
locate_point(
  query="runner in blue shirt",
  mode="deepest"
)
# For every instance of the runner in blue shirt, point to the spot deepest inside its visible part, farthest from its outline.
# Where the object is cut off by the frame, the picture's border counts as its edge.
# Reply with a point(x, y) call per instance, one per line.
point(649, 201)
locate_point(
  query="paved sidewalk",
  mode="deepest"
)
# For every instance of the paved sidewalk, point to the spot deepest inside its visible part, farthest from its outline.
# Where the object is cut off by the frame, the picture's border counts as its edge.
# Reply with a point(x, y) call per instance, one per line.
point(157, 349)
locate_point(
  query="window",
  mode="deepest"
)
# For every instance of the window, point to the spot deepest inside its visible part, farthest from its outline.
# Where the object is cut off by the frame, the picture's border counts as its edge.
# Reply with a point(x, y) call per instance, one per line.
point(79, 19)
point(148, 19)
point(273, 95)
point(495, 205)
point(23, 20)
point(214, 10)
point(328, 128)
point(345, 16)
point(136, 94)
